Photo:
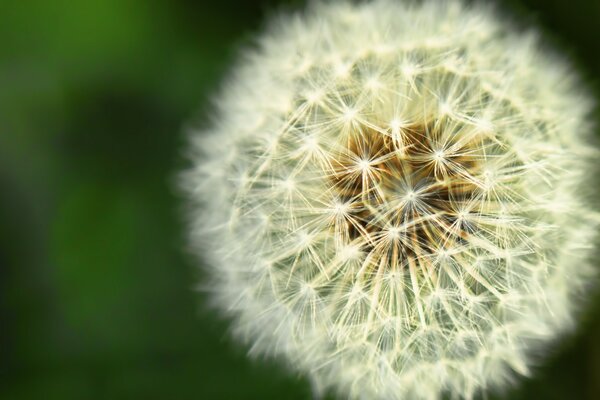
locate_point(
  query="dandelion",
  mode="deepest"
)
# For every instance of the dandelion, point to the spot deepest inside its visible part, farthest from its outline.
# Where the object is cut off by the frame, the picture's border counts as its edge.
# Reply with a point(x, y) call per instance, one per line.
point(392, 199)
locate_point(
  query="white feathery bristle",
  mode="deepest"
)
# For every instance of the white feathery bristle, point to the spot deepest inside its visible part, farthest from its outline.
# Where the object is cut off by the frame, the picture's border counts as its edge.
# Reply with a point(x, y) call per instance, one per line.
point(392, 198)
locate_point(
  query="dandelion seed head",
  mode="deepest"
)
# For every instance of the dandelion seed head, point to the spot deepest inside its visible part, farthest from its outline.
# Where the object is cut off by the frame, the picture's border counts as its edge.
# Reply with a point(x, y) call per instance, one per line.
point(392, 198)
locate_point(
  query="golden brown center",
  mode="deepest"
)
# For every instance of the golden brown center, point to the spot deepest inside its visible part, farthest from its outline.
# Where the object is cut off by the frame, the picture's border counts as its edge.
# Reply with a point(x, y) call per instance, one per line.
point(409, 194)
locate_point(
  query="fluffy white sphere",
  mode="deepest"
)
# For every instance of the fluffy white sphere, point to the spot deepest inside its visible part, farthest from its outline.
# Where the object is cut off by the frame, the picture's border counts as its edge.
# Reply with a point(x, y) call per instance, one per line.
point(391, 197)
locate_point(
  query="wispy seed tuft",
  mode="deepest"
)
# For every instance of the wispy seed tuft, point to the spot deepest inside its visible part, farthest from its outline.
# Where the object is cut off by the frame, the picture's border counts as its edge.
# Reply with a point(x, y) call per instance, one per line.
point(392, 198)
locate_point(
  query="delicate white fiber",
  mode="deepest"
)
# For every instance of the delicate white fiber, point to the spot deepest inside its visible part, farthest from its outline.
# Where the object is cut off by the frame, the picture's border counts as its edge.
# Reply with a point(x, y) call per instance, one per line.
point(391, 198)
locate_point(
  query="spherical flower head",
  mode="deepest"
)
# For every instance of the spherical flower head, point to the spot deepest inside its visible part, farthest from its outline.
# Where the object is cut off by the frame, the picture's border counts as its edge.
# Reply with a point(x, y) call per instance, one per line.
point(391, 198)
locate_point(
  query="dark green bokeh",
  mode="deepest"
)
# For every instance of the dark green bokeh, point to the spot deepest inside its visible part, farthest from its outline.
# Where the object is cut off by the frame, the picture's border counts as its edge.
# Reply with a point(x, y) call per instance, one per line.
point(97, 296)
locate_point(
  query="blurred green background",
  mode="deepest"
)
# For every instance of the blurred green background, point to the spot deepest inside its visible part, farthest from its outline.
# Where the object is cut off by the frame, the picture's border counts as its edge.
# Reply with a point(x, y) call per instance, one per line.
point(97, 296)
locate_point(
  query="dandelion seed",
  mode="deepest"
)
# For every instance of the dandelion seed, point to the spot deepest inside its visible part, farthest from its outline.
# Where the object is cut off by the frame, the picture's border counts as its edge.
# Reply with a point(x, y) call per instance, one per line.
point(393, 198)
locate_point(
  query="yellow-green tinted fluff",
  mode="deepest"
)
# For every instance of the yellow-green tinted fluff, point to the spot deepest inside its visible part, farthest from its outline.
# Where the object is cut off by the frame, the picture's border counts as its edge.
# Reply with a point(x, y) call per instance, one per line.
point(391, 198)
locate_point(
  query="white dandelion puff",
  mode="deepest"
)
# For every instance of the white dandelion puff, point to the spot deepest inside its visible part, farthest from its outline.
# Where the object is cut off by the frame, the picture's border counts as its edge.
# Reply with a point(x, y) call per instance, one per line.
point(392, 198)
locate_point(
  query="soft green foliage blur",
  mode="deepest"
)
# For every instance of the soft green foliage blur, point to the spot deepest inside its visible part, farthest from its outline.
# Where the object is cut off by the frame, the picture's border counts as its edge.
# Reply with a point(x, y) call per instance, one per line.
point(97, 288)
